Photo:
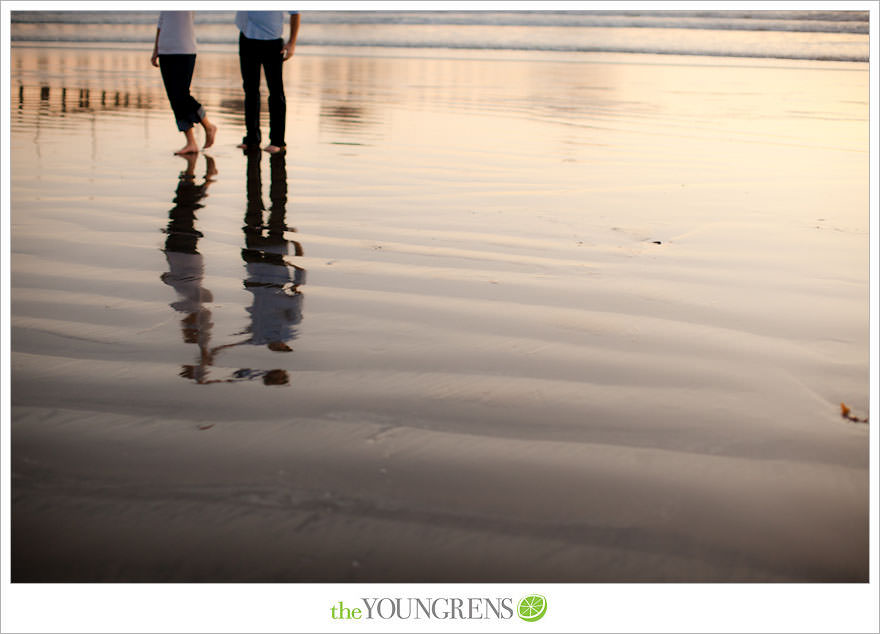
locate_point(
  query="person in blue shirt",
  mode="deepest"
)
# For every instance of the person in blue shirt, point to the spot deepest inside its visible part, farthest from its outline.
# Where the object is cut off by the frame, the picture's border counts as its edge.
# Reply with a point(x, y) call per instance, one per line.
point(261, 45)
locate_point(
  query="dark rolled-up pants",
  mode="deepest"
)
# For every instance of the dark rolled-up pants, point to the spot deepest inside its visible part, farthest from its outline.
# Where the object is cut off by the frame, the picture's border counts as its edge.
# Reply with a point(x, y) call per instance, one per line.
point(177, 72)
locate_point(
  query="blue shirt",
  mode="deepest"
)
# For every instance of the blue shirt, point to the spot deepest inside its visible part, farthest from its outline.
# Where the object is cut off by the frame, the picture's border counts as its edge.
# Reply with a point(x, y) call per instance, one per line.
point(261, 25)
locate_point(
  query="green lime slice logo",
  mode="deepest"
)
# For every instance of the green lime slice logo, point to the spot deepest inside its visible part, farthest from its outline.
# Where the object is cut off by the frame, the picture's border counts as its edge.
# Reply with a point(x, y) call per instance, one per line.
point(532, 608)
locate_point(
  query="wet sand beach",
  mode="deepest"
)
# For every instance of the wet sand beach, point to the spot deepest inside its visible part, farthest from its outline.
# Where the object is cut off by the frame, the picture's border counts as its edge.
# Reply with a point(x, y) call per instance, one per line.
point(509, 317)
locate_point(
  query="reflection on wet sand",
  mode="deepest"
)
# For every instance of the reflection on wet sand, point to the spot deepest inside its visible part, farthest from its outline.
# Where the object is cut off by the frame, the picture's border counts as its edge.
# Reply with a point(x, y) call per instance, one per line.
point(186, 267)
point(353, 97)
point(487, 326)
point(272, 280)
point(276, 307)
point(64, 100)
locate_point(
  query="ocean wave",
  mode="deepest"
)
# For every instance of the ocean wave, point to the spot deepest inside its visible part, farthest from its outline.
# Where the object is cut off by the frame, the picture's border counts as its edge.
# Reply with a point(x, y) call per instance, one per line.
point(798, 21)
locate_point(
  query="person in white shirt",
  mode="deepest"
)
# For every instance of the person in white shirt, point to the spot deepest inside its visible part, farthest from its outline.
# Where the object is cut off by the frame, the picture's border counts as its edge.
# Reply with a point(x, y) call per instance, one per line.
point(174, 52)
point(261, 45)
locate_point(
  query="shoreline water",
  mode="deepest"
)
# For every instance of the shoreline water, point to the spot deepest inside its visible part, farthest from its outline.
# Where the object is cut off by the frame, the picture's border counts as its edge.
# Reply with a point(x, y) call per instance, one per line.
point(600, 289)
point(840, 35)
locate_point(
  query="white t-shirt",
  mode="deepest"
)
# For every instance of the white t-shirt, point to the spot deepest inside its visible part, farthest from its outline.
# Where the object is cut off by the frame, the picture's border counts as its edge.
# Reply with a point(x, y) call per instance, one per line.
point(177, 35)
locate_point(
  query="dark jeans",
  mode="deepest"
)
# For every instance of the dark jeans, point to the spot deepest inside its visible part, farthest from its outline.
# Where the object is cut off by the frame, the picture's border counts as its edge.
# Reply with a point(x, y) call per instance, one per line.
point(265, 54)
point(177, 72)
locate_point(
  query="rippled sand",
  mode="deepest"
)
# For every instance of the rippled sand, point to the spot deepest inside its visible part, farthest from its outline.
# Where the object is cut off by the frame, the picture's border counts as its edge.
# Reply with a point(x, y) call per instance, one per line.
point(487, 320)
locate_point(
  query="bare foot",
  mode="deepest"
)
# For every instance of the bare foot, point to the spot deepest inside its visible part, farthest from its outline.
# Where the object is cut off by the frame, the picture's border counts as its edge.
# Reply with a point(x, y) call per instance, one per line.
point(273, 149)
point(189, 148)
point(210, 133)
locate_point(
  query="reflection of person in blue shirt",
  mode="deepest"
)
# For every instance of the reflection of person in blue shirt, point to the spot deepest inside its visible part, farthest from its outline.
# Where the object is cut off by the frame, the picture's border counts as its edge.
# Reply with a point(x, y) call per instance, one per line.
point(276, 307)
point(272, 280)
point(261, 45)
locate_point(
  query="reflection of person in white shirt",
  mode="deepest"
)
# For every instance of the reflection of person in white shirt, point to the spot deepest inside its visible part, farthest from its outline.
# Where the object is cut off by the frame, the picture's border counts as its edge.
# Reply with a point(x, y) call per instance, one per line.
point(186, 267)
